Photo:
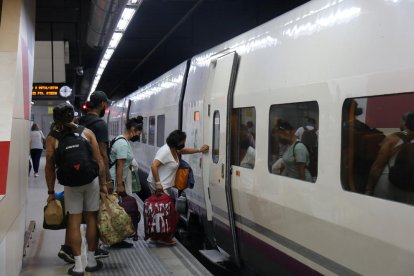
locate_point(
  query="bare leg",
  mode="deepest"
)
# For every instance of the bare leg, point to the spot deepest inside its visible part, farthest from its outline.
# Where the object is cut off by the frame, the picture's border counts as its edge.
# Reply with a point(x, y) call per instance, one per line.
point(73, 233)
point(92, 230)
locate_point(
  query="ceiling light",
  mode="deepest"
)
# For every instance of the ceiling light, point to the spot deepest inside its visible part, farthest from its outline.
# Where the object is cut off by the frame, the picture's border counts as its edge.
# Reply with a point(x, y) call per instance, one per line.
point(116, 37)
point(126, 17)
point(123, 22)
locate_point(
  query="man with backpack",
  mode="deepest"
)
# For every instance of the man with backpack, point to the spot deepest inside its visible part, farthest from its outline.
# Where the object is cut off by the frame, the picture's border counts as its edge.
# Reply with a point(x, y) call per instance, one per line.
point(72, 156)
point(392, 174)
point(92, 120)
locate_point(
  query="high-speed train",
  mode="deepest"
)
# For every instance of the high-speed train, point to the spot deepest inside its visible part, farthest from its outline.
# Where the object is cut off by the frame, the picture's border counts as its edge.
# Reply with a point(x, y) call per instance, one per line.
point(348, 65)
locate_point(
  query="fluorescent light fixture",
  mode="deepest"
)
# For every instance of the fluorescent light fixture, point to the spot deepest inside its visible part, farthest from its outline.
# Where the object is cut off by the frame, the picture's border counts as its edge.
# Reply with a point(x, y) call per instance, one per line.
point(127, 14)
point(126, 17)
point(108, 54)
point(116, 37)
point(100, 71)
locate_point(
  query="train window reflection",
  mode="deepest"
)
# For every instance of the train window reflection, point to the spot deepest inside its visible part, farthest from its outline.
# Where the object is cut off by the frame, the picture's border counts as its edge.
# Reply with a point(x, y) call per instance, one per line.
point(216, 136)
point(377, 146)
point(293, 140)
point(243, 137)
point(151, 130)
point(144, 133)
point(160, 130)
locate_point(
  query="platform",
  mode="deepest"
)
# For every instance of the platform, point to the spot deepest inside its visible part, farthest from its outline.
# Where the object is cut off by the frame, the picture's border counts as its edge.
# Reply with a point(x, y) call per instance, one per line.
point(143, 259)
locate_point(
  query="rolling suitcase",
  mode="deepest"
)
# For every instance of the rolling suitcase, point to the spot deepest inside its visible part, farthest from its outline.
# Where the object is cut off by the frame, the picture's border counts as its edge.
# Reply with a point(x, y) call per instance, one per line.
point(130, 206)
point(160, 216)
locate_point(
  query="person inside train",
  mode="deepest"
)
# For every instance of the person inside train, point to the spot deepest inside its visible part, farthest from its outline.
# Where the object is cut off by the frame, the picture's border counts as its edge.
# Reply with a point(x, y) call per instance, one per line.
point(37, 142)
point(78, 199)
point(296, 157)
point(379, 183)
point(310, 125)
point(360, 147)
point(121, 158)
point(247, 152)
point(164, 167)
point(403, 121)
point(252, 133)
point(92, 120)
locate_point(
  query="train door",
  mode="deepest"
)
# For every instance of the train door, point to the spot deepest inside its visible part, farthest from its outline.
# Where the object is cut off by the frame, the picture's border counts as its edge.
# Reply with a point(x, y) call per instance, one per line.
point(218, 102)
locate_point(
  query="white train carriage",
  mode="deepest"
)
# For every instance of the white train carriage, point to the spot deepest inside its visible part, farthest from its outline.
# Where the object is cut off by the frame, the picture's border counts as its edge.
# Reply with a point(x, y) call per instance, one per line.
point(349, 66)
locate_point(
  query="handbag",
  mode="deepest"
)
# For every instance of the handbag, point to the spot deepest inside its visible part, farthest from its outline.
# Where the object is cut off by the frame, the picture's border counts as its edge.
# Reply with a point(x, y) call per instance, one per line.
point(135, 183)
point(181, 178)
point(54, 217)
point(184, 177)
point(114, 223)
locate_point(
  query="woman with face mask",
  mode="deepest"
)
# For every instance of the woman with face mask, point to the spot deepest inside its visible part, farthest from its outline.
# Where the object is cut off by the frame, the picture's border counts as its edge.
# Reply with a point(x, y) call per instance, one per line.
point(121, 155)
point(162, 175)
point(164, 167)
point(296, 156)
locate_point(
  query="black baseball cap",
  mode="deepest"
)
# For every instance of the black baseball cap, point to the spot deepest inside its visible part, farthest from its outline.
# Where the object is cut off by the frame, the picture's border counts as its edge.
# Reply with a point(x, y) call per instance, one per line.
point(97, 97)
point(63, 113)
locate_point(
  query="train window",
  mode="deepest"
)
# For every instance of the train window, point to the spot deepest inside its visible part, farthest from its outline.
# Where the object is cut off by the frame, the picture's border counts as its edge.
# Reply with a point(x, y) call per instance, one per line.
point(293, 140)
point(377, 144)
point(160, 130)
point(144, 133)
point(151, 130)
point(216, 136)
point(243, 137)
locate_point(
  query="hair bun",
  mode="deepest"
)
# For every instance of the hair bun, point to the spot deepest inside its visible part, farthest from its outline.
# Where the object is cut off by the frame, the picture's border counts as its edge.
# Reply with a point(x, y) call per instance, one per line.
point(140, 119)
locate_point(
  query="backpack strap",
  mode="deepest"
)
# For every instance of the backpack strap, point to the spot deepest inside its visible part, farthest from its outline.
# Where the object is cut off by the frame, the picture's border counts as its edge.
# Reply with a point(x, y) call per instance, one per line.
point(113, 143)
point(294, 146)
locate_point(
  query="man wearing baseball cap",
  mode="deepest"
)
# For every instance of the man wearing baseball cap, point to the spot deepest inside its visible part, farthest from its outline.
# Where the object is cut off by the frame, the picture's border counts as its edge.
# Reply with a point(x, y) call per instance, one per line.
point(92, 120)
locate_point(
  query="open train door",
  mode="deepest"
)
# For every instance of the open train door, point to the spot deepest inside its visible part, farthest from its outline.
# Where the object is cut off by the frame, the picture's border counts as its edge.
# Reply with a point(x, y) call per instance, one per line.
point(218, 102)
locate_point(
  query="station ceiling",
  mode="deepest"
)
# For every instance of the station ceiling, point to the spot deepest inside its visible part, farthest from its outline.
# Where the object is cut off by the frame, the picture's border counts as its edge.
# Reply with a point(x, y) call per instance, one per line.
point(162, 34)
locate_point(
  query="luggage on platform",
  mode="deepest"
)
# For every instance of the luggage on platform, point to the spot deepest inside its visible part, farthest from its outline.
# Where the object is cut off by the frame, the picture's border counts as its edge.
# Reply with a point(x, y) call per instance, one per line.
point(160, 216)
point(130, 205)
point(114, 223)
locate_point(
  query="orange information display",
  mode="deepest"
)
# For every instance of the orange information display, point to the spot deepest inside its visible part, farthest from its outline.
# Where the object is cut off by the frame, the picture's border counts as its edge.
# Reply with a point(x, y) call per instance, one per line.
point(50, 91)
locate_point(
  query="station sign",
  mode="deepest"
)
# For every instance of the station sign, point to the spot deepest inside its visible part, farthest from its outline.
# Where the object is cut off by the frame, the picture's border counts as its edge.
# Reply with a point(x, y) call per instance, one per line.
point(50, 91)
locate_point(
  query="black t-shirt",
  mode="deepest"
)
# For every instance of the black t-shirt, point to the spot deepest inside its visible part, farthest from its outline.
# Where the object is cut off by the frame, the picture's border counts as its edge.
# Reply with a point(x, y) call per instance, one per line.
point(97, 126)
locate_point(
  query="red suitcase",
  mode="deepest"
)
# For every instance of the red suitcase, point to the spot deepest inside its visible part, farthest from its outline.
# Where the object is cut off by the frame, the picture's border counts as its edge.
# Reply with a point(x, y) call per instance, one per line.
point(130, 206)
point(160, 216)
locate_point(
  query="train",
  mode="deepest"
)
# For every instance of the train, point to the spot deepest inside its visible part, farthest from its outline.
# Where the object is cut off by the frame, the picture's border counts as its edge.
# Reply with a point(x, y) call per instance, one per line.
point(344, 63)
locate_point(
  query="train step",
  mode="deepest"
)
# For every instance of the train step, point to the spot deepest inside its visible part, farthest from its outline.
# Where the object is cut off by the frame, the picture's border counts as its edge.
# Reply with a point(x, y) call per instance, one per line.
point(215, 256)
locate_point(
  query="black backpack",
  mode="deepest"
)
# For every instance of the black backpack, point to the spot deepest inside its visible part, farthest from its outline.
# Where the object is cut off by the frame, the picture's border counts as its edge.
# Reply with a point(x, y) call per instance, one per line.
point(110, 149)
point(75, 165)
point(310, 140)
point(402, 172)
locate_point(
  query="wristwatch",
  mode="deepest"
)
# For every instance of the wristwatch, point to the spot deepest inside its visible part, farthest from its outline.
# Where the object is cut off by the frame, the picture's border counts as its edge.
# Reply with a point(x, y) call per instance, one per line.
point(50, 192)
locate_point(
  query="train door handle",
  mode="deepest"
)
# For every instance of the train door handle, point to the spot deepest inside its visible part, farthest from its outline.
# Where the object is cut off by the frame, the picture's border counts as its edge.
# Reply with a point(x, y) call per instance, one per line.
point(222, 170)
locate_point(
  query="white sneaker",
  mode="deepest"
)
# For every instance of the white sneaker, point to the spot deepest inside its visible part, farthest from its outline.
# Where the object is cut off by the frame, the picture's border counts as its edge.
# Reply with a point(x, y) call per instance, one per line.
point(36, 175)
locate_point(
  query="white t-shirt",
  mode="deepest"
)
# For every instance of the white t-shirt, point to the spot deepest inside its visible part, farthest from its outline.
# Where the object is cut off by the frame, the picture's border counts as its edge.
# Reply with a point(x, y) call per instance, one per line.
point(249, 158)
point(168, 168)
point(36, 139)
point(299, 132)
